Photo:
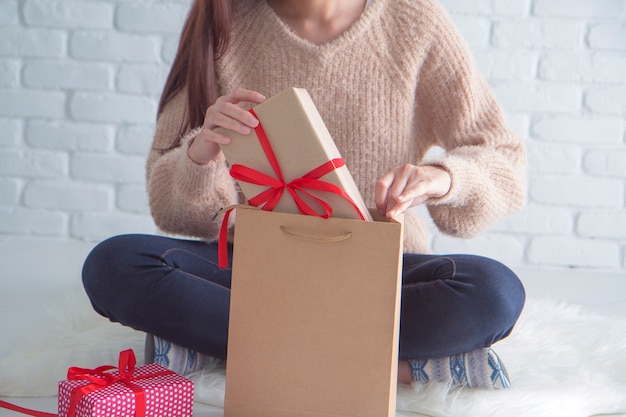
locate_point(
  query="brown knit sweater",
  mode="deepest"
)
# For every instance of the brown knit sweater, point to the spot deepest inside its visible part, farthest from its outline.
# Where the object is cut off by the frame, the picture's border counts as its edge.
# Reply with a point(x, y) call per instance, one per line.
point(399, 81)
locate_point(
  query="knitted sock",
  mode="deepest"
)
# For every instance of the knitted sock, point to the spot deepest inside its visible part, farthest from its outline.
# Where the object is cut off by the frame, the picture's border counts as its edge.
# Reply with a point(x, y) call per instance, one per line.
point(480, 369)
point(181, 360)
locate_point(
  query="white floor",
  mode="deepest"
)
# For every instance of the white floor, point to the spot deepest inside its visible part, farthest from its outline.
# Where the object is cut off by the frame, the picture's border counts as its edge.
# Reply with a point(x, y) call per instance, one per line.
point(49, 405)
point(603, 293)
point(200, 410)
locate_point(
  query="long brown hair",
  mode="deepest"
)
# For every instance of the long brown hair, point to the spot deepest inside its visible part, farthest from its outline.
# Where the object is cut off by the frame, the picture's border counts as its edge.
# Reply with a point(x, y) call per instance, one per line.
point(204, 37)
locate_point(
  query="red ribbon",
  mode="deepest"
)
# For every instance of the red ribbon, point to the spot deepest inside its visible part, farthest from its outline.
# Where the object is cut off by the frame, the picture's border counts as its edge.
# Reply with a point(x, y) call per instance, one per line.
point(268, 199)
point(100, 379)
point(27, 411)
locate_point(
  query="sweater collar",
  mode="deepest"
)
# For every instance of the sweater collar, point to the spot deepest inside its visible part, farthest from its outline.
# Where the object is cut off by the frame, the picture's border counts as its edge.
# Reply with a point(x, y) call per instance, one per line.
point(357, 29)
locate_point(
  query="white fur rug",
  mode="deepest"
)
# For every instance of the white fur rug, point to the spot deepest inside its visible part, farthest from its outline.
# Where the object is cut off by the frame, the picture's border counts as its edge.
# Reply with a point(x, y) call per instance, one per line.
point(563, 362)
point(39, 354)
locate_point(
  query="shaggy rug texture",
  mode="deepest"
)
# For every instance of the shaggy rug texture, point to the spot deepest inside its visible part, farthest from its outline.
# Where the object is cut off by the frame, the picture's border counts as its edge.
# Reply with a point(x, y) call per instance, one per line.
point(563, 362)
point(70, 334)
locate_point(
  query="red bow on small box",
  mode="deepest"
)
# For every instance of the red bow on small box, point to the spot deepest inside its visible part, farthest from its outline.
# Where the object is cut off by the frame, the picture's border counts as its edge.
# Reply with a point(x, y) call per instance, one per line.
point(270, 197)
point(100, 378)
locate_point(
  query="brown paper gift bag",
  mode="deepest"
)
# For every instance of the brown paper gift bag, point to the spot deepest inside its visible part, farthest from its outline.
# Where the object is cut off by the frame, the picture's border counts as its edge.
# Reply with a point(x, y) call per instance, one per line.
point(314, 316)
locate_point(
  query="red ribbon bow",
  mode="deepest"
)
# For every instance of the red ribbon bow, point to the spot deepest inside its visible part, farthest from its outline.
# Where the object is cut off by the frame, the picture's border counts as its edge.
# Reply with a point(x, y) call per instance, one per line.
point(270, 197)
point(100, 378)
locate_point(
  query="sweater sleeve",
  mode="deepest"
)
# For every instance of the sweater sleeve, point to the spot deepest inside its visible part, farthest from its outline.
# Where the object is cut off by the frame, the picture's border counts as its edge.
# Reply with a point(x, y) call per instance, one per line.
point(185, 196)
point(486, 161)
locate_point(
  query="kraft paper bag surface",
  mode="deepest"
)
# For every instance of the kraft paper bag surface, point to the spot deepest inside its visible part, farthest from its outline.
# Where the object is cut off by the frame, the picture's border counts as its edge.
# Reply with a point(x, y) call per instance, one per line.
point(301, 142)
point(314, 316)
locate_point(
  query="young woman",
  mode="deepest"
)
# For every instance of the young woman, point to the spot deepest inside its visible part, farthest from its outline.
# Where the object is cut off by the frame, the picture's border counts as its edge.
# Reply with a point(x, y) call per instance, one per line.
point(391, 79)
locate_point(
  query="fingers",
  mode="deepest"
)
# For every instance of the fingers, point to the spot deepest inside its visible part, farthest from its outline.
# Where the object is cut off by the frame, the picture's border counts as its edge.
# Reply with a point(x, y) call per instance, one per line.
point(224, 113)
point(410, 197)
point(227, 114)
point(409, 185)
point(381, 192)
point(241, 94)
point(232, 117)
point(391, 190)
point(210, 136)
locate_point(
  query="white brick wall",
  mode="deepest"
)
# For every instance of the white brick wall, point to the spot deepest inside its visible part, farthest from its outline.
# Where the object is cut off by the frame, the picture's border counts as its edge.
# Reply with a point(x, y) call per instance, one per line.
point(559, 69)
point(80, 82)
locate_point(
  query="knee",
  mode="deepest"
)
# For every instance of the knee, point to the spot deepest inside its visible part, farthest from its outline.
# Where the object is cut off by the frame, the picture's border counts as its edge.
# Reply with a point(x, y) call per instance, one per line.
point(502, 291)
point(106, 265)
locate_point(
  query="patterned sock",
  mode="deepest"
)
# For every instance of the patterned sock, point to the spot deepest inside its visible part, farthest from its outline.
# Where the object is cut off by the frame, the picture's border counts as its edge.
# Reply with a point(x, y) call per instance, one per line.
point(480, 369)
point(181, 360)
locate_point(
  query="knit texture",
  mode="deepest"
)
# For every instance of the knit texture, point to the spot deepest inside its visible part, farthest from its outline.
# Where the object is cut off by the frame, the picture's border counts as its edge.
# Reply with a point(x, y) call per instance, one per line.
point(480, 369)
point(398, 82)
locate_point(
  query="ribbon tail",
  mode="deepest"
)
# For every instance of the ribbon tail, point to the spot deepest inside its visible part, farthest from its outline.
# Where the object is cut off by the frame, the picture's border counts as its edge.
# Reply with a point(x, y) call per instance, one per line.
point(305, 208)
point(27, 411)
point(324, 169)
point(267, 199)
point(222, 243)
point(314, 184)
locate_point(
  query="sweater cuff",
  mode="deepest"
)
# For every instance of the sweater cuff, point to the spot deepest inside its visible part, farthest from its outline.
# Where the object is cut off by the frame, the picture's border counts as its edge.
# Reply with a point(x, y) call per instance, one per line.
point(188, 139)
point(464, 182)
point(201, 176)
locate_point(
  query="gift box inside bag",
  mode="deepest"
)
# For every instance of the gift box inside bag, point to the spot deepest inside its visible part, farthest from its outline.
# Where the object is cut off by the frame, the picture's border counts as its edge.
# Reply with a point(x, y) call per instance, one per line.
point(314, 316)
point(290, 145)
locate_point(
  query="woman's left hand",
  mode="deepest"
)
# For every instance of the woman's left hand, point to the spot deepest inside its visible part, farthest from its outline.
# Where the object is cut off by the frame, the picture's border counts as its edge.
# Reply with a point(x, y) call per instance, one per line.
point(409, 185)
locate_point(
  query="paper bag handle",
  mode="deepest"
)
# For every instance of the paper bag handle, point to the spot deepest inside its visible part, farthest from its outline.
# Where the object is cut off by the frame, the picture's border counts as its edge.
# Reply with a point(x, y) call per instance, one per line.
point(326, 239)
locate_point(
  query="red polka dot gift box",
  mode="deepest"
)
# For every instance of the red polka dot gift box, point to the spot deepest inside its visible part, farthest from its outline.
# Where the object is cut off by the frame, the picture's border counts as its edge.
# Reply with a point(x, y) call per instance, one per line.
point(144, 391)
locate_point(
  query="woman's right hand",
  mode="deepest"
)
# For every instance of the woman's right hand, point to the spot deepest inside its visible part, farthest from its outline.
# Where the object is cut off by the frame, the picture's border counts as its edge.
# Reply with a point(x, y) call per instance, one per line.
point(224, 113)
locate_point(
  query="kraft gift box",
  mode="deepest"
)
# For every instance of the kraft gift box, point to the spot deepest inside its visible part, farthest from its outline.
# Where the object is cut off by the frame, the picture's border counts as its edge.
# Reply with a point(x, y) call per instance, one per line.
point(300, 141)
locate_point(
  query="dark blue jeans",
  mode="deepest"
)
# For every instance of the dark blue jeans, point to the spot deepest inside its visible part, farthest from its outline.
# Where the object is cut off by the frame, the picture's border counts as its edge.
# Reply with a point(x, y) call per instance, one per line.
point(173, 288)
